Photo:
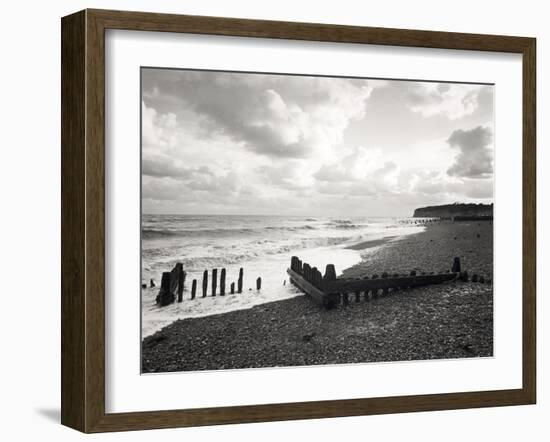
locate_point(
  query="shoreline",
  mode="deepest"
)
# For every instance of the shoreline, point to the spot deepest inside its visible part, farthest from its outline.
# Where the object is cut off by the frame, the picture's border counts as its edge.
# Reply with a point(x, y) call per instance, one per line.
point(445, 321)
point(369, 244)
point(273, 273)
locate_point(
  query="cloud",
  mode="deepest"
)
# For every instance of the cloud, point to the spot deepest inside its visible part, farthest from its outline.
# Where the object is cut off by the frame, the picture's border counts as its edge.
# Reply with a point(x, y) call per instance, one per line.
point(157, 130)
point(454, 101)
point(277, 116)
point(434, 183)
point(361, 172)
point(247, 143)
point(475, 157)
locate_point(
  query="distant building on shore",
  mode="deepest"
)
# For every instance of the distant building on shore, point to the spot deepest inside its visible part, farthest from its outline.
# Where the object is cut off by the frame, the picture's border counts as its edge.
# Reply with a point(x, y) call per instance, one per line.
point(457, 212)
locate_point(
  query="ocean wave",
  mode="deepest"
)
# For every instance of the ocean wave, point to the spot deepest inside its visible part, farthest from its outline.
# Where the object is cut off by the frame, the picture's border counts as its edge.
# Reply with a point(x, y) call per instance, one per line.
point(247, 251)
point(148, 233)
point(343, 224)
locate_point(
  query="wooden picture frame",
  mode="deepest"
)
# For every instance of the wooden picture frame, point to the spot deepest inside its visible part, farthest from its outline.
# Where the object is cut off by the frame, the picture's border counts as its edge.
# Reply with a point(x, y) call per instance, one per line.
point(83, 220)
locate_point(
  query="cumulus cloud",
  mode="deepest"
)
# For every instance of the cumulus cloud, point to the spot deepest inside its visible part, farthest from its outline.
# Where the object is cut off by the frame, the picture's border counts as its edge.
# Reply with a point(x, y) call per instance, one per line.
point(163, 166)
point(279, 116)
point(451, 100)
point(475, 157)
point(157, 130)
point(362, 172)
point(246, 143)
point(432, 183)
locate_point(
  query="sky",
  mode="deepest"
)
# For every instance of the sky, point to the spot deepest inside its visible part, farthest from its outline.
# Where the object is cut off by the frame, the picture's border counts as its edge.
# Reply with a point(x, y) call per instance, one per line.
point(251, 143)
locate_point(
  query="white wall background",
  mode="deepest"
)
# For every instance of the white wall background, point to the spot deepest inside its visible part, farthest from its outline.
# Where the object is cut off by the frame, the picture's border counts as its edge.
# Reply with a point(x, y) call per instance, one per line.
point(30, 217)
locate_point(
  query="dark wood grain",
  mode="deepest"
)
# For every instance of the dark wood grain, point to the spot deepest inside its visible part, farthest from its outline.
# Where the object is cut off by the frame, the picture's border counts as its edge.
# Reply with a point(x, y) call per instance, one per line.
point(83, 220)
point(529, 220)
point(73, 254)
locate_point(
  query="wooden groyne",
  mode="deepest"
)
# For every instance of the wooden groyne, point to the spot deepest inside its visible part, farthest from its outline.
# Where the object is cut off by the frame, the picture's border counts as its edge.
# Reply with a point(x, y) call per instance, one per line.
point(173, 285)
point(330, 291)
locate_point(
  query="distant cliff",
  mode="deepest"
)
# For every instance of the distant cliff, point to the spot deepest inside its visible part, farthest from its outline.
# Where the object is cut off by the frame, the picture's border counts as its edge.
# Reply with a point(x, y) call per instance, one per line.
point(454, 210)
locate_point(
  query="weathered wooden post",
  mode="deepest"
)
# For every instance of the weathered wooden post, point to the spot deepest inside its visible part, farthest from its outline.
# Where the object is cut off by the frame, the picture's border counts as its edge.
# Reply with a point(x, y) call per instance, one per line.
point(222, 283)
point(385, 290)
point(181, 280)
point(330, 272)
point(314, 277)
point(214, 281)
point(374, 291)
point(294, 263)
point(240, 281)
point(345, 299)
point(259, 283)
point(152, 283)
point(193, 288)
point(204, 283)
point(165, 296)
point(232, 288)
point(456, 265)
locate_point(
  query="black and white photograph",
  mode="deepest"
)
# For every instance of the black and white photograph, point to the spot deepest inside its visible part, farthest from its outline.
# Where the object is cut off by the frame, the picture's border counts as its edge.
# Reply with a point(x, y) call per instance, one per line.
point(294, 220)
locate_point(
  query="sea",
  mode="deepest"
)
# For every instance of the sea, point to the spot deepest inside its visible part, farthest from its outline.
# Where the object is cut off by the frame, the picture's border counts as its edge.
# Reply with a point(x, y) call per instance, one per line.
point(261, 245)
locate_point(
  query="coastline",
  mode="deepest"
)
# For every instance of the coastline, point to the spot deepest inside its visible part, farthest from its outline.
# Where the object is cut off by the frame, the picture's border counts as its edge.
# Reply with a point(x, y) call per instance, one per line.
point(371, 243)
point(435, 322)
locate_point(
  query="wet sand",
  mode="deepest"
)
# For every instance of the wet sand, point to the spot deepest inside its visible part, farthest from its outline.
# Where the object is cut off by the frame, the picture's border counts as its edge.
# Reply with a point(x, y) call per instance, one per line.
point(453, 320)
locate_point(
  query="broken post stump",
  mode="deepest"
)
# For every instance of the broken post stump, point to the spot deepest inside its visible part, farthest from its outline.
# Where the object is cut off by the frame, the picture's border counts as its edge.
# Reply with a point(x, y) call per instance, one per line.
point(456, 265)
point(259, 283)
point(181, 280)
point(165, 296)
point(193, 288)
point(204, 283)
point(345, 299)
point(222, 283)
point(151, 283)
point(214, 281)
point(240, 281)
point(232, 288)
point(330, 273)
point(385, 290)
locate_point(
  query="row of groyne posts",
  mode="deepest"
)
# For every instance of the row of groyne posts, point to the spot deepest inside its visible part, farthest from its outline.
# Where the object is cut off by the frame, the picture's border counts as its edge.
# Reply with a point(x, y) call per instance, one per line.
point(330, 291)
point(457, 218)
point(173, 283)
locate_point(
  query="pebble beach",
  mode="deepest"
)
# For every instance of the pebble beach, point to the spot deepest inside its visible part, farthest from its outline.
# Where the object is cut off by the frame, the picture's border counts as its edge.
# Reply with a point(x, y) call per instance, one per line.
point(452, 320)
